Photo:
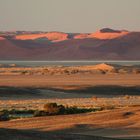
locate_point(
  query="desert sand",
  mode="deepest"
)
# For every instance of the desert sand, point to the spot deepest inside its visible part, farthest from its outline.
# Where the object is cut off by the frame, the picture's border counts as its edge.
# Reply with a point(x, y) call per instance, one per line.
point(32, 87)
point(91, 75)
point(52, 36)
point(69, 80)
point(119, 123)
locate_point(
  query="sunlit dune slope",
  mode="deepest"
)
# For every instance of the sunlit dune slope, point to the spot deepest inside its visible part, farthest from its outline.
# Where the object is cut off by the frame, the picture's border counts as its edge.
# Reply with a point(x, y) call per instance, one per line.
point(103, 66)
point(2, 38)
point(105, 33)
point(106, 44)
point(100, 35)
point(52, 36)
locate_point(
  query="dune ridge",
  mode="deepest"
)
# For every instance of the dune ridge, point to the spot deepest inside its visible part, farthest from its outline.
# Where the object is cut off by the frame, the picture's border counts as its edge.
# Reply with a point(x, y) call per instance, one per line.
point(59, 36)
point(104, 33)
point(101, 35)
point(105, 44)
point(52, 36)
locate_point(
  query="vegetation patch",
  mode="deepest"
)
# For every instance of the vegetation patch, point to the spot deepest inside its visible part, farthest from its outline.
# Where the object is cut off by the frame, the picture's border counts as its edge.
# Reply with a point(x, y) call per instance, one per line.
point(55, 109)
point(49, 109)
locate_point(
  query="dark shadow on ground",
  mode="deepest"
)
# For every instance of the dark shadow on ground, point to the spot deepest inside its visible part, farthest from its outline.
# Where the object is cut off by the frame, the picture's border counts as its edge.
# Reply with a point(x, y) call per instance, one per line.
point(68, 92)
point(17, 92)
point(12, 134)
point(102, 90)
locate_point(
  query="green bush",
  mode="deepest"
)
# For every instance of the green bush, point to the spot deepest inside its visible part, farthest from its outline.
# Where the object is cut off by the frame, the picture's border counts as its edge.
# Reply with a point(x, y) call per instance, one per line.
point(24, 72)
point(53, 108)
point(14, 111)
point(75, 110)
point(4, 116)
point(39, 113)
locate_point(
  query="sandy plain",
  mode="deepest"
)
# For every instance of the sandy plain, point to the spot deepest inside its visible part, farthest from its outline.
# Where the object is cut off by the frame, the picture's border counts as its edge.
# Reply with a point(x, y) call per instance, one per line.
point(32, 87)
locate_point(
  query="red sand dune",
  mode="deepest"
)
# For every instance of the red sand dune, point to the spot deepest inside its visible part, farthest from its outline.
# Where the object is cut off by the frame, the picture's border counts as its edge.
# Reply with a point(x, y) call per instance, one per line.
point(2, 38)
point(105, 33)
point(81, 36)
point(106, 44)
point(102, 66)
point(102, 35)
point(52, 36)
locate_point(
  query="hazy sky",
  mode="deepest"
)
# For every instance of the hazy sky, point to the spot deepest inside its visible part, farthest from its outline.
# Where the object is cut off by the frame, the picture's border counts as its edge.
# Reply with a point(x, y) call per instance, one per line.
point(69, 15)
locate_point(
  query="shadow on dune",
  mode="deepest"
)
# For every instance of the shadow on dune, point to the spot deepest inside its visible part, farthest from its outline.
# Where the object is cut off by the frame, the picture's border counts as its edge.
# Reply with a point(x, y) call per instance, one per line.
point(12, 134)
point(16, 92)
point(67, 92)
point(101, 90)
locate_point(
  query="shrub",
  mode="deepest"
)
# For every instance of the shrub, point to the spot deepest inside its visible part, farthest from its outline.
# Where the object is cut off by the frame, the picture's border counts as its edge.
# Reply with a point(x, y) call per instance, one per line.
point(14, 111)
point(53, 108)
point(4, 116)
point(103, 71)
point(108, 107)
point(136, 71)
point(24, 72)
point(122, 71)
point(62, 109)
point(39, 113)
point(95, 98)
point(127, 97)
point(66, 71)
point(75, 110)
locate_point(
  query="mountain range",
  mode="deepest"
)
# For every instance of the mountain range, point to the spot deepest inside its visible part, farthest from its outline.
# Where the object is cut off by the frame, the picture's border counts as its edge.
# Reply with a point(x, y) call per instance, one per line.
point(105, 44)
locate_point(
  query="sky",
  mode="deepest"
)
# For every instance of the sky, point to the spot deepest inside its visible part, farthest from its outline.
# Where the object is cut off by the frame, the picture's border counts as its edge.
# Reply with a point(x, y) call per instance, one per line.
point(69, 15)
